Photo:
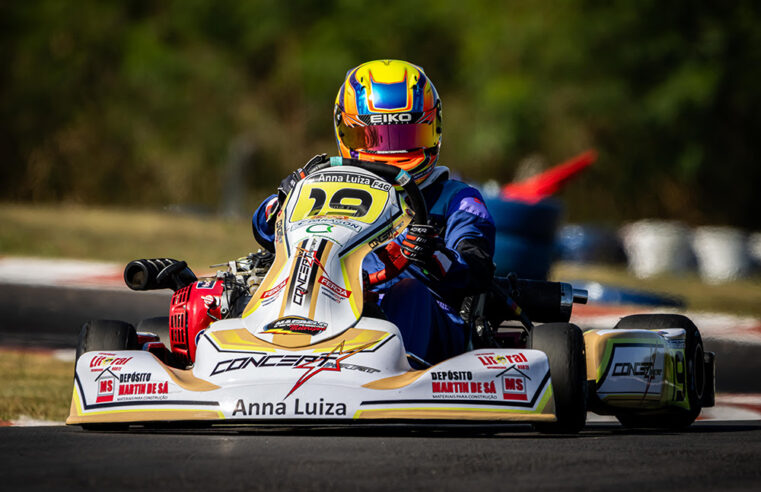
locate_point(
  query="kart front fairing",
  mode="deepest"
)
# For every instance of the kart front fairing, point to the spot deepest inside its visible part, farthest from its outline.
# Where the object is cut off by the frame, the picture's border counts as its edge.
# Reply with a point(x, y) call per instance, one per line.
point(302, 350)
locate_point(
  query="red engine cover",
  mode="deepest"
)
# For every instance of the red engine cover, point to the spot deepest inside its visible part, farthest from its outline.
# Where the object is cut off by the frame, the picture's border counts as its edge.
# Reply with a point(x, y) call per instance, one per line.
point(192, 309)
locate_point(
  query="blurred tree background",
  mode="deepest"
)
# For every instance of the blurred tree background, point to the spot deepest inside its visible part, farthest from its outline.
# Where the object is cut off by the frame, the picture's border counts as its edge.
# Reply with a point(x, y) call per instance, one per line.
point(141, 103)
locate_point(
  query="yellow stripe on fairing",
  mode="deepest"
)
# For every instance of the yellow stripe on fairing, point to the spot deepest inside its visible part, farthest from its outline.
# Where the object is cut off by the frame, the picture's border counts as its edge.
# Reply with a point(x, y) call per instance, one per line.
point(353, 296)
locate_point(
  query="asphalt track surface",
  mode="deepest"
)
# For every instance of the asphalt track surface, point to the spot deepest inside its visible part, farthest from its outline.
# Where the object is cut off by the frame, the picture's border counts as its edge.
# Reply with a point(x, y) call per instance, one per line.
point(52, 317)
point(710, 456)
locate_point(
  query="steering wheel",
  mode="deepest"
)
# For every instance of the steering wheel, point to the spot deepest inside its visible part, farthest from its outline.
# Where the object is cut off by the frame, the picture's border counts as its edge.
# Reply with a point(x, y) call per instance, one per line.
point(394, 262)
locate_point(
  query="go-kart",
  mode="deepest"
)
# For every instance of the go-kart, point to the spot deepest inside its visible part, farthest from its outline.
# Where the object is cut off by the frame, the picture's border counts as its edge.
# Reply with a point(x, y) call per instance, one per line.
point(295, 337)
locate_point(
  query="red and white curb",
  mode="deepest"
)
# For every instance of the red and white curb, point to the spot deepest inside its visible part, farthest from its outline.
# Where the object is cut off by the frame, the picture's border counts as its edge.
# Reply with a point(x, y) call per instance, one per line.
point(745, 329)
point(77, 274)
point(61, 273)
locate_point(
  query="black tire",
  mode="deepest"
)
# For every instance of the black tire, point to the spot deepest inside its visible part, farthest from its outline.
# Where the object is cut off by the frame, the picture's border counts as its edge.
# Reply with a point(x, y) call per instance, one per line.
point(158, 325)
point(564, 345)
point(105, 334)
point(695, 377)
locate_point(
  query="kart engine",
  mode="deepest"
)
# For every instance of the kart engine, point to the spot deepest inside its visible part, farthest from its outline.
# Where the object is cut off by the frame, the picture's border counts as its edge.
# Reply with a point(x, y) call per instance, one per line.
point(197, 303)
point(192, 309)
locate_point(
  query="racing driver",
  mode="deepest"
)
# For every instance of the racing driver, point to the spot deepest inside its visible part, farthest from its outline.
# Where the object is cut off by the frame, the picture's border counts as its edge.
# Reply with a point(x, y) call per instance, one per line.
point(451, 256)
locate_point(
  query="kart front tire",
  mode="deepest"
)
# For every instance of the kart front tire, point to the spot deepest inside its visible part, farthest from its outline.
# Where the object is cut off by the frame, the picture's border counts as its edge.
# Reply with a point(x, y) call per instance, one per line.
point(106, 335)
point(564, 345)
point(695, 377)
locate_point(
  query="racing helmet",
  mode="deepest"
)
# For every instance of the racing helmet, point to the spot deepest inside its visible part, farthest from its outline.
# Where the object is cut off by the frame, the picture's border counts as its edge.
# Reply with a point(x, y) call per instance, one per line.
point(389, 111)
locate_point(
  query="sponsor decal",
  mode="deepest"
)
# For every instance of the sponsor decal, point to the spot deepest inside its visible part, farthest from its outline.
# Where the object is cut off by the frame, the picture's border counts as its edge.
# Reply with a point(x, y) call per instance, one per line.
point(389, 118)
point(307, 260)
point(292, 361)
point(320, 228)
point(486, 390)
point(314, 367)
point(279, 231)
point(349, 178)
point(490, 360)
point(111, 361)
point(296, 325)
point(129, 386)
point(134, 377)
point(206, 284)
point(106, 382)
point(155, 390)
point(635, 370)
point(385, 236)
point(451, 376)
point(514, 388)
point(336, 289)
point(275, 290)
point(644, 369)
point(326, 224)
point(381, 185)
point(321, 408)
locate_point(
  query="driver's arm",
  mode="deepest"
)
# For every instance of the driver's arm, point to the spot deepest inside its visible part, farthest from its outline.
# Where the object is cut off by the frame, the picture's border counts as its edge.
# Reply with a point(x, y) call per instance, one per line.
point(466, 261)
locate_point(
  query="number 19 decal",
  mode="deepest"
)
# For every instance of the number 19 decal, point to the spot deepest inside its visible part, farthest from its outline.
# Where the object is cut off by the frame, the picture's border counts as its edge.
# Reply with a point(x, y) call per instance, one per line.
point(355, 201)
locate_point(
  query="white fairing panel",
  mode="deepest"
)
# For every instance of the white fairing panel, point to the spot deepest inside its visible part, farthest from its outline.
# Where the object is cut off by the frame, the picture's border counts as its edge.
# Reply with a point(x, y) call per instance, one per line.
point(330, 221)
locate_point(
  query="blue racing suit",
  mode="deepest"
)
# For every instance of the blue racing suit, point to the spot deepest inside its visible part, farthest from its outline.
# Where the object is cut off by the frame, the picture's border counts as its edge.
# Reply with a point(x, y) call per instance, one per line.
point(425, 308)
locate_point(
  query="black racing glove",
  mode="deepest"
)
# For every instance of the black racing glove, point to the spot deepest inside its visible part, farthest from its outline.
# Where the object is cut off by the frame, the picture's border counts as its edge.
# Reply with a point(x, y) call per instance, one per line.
point(287, 184)
point(423, 246)
point(420, 243)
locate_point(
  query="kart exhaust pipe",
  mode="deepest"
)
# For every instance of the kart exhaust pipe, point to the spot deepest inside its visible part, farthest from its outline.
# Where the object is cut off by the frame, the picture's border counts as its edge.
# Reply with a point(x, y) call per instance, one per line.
point(158, 273)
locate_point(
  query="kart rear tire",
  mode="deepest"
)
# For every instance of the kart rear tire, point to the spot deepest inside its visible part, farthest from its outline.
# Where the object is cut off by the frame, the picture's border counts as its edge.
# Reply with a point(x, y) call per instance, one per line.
point(158, 325)
point(106, 334)
point(564, 345)
point(695, 376)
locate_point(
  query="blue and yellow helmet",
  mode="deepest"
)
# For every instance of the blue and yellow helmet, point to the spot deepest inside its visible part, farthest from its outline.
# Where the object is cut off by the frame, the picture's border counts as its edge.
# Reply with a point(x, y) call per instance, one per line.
point(389, 111)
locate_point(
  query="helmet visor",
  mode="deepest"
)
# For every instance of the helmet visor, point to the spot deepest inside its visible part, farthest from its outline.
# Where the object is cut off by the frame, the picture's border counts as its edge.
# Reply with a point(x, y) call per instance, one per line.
point(388, 138)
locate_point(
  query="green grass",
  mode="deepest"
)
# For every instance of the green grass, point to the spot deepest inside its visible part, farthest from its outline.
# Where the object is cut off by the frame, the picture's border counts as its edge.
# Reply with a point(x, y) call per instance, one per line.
point(35, 384)
point(738, 297)
point(121, 235)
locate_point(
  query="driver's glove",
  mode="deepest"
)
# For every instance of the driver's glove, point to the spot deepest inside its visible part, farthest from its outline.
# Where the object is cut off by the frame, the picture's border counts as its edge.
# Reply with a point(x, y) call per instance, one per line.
point(423, 247)
point(287, 184)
